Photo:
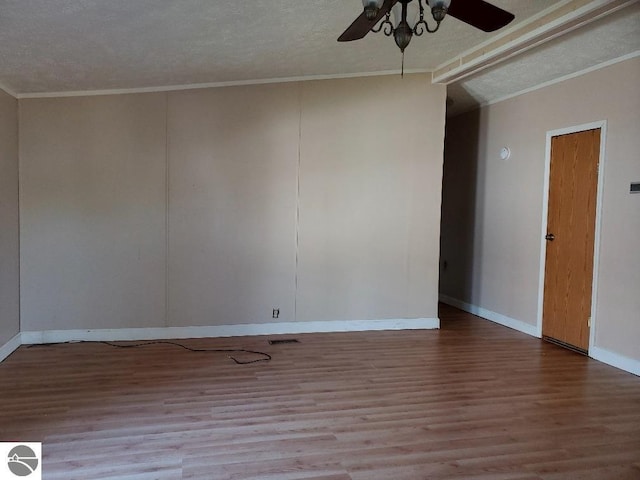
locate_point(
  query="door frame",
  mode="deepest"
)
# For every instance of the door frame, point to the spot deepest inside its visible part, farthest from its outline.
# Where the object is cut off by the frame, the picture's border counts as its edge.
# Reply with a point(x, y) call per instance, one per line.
point(602, 125)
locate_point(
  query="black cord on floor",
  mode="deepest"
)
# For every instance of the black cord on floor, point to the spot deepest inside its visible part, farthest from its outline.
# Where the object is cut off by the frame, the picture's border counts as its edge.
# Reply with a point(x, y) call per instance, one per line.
point(266, 356)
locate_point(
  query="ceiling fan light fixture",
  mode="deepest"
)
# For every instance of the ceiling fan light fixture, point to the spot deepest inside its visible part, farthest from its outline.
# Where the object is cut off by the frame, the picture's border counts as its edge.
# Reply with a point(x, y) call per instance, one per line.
point(439, 9)
point(372, 8)
point(377, 18)
point(410, 17)
point(402, 31)
point(403, 34)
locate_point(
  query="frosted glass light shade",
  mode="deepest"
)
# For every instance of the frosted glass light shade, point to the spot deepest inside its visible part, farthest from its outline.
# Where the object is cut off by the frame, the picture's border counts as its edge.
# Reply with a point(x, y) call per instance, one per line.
point(413, 12)
point(372, 8)
point(439, 3)
point(372, 3)
point(439, 9)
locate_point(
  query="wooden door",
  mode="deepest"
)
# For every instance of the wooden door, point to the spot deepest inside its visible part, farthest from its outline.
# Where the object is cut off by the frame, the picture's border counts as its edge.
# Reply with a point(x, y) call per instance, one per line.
point(570, 238)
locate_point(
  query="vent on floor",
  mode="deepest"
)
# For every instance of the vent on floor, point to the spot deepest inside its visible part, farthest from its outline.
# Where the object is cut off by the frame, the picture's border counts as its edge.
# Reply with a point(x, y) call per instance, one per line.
point(283, 341)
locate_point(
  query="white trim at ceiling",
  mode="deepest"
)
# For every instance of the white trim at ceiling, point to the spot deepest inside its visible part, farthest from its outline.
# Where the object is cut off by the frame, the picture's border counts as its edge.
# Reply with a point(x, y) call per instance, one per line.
point(195, 86)
point(8, 91)
point(547, 25)
point(569, 76)
point(549, 83)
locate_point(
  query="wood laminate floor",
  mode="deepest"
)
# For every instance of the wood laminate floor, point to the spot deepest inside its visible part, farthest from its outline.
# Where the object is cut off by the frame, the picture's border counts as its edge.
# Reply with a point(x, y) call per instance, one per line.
point(472, 401)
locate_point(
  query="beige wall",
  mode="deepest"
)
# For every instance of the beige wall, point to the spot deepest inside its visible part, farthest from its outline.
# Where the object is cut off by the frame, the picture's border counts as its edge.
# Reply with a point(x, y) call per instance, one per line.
point(232, 210)
point(370, 183)
point(92, 189)
point(321, 199)
point(9, 220)
point(501, 202)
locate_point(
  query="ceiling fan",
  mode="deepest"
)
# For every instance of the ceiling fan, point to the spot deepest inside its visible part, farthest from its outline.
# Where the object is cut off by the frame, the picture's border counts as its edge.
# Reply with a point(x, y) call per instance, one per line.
point(477, 13)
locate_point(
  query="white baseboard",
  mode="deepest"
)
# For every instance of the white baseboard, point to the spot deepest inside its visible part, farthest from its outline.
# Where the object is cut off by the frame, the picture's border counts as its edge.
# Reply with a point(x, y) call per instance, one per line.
point(615, 360)
point(597, 353)
point(493, 316)
point(10, 347)
point(55, 336)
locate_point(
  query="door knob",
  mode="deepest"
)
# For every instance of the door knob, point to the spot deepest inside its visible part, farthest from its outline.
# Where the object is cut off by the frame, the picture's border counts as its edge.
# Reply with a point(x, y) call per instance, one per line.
point(550, 236)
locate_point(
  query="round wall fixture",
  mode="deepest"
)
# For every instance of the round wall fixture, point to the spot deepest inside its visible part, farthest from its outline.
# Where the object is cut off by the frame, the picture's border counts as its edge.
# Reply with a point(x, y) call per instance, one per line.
point(505, 153)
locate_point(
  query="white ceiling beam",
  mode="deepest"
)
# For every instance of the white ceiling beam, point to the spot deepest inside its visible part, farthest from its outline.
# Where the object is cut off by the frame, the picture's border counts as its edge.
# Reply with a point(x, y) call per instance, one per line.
point(547, 25)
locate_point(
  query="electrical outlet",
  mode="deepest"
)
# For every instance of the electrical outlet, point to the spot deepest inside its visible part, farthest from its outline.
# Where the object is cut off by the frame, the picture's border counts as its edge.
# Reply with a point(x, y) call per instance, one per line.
point(275, 313)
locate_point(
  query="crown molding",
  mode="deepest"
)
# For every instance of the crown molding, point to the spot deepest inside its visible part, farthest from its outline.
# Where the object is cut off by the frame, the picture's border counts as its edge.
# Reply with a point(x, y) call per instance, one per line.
point(196, 86)
point(8, 91)
point(563, 78)
point(549, 83)
point(549, 24)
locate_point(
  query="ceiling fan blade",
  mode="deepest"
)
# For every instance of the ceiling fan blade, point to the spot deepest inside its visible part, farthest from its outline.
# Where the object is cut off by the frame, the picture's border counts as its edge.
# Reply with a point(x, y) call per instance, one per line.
point(361, 26)
point(480, 14)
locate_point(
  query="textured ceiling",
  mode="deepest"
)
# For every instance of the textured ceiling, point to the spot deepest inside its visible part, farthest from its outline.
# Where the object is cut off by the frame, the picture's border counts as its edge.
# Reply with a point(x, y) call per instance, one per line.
point(79, 45)
point(612, 37)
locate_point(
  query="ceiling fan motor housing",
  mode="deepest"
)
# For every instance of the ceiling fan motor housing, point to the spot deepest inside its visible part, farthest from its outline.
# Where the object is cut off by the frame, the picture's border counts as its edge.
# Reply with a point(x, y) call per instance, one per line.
point(402, 35)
